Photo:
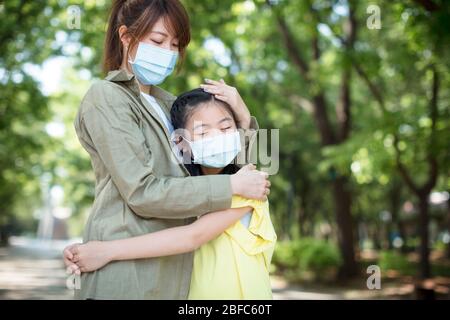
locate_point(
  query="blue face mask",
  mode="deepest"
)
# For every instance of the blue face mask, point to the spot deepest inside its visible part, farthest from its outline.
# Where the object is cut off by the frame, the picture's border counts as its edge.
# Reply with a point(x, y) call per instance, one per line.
point(217, 151)
point(152, 64)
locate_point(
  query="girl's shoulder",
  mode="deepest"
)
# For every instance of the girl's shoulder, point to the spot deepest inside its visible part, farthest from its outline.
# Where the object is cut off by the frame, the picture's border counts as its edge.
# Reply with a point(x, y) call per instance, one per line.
point(238, 202)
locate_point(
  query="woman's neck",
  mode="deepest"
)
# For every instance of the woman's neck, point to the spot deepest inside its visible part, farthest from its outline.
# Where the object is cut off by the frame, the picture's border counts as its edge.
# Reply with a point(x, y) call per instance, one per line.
point(207, 171)
point(142, 88)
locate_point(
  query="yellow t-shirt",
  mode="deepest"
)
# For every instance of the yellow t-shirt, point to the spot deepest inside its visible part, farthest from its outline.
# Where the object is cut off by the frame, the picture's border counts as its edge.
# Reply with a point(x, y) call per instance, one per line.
point(235, 265)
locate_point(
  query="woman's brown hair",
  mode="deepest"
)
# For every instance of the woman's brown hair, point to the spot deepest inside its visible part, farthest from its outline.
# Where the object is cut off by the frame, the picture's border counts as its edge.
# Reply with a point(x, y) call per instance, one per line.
point(139, 16)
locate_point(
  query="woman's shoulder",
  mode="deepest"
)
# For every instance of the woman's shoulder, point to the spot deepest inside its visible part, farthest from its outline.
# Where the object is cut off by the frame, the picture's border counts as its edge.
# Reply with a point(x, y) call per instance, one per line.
point(103, 89)
point(104, 94)
point(163, 94)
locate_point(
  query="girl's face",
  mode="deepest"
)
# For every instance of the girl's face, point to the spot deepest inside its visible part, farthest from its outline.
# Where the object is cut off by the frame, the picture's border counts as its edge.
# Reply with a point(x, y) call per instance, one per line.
point(208, 120)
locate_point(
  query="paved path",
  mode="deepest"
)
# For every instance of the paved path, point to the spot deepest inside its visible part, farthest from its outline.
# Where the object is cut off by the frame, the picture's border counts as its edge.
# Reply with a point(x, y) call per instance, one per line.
point(33, 270)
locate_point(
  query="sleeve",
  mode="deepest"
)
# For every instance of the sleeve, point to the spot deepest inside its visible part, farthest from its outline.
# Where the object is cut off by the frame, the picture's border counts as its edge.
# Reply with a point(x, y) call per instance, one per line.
point(116, 136)
point(260, 235)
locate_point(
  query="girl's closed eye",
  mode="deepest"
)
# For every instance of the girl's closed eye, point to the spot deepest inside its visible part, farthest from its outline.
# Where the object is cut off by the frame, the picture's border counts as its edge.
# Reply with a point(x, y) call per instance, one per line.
point(201, 133)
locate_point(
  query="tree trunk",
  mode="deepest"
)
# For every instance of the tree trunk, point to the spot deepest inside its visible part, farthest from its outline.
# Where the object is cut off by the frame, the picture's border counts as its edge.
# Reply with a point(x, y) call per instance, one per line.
point(389, 243)
point(401, 230)
point(303, 220)
point(4, 235)
point(424, 250)
point(448, 225)
point(302, 192)
point(395, 204)
point(342, 202)
point(295, 166)
point(374, 236)
point(328, 136)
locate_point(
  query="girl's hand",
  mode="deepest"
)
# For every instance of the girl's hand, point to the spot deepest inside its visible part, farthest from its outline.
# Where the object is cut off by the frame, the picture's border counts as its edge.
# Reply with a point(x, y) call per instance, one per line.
point(91, 255)
point(250, 183)
point(230, 95)
point(71, 267)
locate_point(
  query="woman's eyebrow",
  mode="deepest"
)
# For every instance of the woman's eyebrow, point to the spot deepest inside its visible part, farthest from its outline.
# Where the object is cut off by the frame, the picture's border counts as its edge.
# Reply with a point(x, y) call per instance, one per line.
point(161, 33)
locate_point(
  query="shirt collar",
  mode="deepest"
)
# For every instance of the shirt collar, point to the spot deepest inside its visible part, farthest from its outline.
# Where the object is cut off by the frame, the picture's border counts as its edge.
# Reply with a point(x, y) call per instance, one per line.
point(121, 75)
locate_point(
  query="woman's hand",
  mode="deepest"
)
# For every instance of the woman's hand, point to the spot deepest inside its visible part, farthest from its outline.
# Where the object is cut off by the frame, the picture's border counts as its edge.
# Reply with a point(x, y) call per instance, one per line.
point(89, 256)
point(250, 183)
point(230, 95)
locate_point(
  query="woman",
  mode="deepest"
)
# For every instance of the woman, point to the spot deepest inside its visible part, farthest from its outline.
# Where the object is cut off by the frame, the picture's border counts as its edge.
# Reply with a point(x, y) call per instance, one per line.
point(235, 265)
point(123, 124)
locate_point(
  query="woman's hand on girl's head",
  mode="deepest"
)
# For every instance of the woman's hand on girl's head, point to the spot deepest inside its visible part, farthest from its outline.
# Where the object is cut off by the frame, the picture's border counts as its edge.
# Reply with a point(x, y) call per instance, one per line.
point(230, 95)
point(250, 183)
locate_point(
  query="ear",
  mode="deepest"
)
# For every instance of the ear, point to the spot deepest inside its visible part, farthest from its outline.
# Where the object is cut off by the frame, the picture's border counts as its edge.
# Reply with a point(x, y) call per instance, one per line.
point(183, 145)
point(124, 37)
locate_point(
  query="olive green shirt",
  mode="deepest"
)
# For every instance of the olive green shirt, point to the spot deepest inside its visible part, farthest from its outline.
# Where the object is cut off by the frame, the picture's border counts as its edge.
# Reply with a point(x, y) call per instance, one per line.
point(140, 187)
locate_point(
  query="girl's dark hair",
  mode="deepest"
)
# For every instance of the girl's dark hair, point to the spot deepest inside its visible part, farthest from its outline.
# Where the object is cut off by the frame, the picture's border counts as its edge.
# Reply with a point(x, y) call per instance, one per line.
point(186, 103)
point(139, 16)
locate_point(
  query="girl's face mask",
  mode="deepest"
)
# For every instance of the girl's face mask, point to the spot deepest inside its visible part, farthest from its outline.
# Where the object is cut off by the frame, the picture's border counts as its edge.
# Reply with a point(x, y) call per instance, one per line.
point(152, 64)
point(216, 152)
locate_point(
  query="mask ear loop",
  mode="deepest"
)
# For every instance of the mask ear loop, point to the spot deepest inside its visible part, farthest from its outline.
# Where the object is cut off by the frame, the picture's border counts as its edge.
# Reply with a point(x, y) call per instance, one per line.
point(127, 48)
point(187, 140)
point(191, 160)
point(129, 59)
point(128, 53)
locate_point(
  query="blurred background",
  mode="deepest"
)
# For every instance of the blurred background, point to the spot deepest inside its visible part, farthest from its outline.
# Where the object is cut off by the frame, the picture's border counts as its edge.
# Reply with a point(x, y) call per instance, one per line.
point(358, 89)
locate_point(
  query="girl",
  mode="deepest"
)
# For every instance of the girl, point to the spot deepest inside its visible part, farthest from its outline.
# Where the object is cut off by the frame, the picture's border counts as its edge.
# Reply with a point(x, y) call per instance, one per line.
point(123, 123)
point(228, 265)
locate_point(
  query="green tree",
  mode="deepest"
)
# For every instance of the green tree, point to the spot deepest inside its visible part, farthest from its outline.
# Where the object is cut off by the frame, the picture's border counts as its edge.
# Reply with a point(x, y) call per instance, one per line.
point(27, 32)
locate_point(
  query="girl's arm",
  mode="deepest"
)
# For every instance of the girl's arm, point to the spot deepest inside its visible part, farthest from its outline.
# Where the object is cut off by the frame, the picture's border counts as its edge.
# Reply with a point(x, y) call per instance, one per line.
point(95, 254)
point(111, 132)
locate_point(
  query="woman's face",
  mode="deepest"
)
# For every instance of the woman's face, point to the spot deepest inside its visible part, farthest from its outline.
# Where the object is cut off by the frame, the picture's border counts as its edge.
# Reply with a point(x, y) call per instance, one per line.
point(208, 120)
point(159, 36)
